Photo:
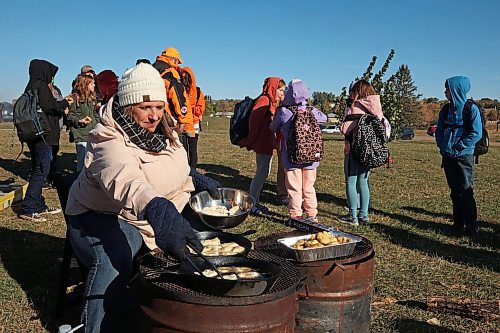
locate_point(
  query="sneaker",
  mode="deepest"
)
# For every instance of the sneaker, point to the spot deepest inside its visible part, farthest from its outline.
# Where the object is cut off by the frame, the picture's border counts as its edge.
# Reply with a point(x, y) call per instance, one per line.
point(364, 220)
point(35, 217)
point(259, 209)
point(283, 201)
point(47, 185)
point(347, 219)
point(472, 232)
point(51, 210)
point(313, 219)
point(454, 229)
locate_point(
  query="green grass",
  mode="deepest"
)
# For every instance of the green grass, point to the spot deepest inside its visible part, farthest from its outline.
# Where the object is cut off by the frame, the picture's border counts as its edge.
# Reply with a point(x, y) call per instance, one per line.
point(410, 204)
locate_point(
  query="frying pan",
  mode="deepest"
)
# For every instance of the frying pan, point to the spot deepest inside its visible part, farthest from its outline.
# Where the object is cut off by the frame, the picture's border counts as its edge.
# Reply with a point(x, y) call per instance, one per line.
point(226, 237)
point(185, 275)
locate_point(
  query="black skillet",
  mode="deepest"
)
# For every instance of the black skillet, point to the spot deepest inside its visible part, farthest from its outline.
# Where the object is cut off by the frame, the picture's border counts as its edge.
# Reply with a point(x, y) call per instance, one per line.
point(186, 275)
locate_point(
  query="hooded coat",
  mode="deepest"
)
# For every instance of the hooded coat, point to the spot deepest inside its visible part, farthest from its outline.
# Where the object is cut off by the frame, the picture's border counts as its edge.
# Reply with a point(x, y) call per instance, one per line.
point(41, 74)
point(197, 102)
point(296, 95)
point(121, 179)
point(456, 133)
point(178, 101)
point(107, 81)
point(369, 104)
point(260, 138)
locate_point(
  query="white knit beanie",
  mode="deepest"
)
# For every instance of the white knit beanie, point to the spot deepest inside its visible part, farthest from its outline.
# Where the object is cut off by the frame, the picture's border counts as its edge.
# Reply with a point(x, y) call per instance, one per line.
point(141, 83)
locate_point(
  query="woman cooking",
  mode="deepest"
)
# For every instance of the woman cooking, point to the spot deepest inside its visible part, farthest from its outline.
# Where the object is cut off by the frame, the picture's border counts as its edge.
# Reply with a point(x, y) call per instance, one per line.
point(135, 182)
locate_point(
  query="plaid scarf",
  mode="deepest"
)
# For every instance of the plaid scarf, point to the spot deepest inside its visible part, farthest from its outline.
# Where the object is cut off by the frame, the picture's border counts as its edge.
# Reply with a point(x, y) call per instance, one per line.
point(151, 142)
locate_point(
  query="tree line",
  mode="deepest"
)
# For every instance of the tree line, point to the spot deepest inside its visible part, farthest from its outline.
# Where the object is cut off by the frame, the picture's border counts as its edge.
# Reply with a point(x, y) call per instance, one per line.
point(401, 103)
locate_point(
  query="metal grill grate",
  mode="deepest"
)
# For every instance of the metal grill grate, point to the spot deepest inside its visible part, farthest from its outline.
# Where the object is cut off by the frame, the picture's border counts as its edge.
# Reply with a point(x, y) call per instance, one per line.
point(165, 286)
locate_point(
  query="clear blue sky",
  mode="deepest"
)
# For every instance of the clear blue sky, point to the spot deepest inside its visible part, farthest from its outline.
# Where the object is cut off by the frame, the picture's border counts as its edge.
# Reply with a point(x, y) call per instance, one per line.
point(233, 45)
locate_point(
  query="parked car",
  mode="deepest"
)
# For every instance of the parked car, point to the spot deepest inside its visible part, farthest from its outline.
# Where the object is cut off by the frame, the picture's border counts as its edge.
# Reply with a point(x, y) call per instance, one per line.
point(331, 129)
point(431, 130)
point(407, 133)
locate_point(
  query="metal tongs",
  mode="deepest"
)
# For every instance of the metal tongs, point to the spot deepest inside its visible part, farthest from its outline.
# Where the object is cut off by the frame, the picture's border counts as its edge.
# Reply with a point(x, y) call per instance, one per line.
point(210, 264)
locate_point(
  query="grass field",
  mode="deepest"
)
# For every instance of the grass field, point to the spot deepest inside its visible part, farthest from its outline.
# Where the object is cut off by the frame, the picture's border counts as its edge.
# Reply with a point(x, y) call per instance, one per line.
point(415, 257)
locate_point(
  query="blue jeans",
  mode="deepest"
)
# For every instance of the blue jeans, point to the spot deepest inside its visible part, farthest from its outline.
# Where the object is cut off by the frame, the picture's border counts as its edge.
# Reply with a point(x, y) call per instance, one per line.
point(81, 149)
point(460, 178)
point(263, 162)
point(41, 156)
point(356, 178)
point(106, 245)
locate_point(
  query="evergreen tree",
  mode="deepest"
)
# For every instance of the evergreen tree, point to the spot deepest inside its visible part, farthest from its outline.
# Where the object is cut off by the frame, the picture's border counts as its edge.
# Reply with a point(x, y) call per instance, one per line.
point(407, 97)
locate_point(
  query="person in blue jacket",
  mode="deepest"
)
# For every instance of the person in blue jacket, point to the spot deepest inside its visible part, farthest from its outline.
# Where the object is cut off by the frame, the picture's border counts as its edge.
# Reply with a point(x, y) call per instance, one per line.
point(457, 132)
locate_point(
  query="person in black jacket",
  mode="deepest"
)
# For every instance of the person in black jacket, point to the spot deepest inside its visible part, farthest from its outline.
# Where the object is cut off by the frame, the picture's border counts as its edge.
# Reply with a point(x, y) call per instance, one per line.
point(41, 75)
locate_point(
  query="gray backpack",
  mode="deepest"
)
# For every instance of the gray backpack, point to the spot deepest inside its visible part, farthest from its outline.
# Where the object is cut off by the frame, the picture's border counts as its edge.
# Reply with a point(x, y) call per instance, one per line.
point(27, 117)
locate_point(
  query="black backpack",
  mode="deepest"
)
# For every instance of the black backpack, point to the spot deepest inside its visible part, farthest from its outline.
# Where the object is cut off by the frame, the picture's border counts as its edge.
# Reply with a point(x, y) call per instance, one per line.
point(369, 145)
point(239, 124)
point(27, 117)
point(482, 145)
point(305, 141)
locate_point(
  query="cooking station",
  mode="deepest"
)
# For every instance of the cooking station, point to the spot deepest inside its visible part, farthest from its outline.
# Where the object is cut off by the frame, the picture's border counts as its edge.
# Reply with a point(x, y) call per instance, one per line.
point(331, 294)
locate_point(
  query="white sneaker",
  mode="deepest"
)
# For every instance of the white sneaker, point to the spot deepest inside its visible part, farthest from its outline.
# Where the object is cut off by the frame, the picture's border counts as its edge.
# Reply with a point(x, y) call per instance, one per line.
point(35, 217)
point(50, 210)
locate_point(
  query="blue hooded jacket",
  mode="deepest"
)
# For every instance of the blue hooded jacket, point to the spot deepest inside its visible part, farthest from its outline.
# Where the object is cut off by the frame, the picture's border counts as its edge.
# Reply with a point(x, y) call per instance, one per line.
point(456, 136)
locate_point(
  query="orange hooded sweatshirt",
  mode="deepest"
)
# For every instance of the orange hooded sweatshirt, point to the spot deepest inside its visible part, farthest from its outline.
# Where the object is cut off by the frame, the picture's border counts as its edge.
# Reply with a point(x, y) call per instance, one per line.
point(179, 106)
point(260, 138)
point(197, 101)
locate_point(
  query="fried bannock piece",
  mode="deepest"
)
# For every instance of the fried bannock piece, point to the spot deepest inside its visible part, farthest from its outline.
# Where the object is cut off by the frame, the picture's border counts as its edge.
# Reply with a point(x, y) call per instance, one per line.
point(320, 239)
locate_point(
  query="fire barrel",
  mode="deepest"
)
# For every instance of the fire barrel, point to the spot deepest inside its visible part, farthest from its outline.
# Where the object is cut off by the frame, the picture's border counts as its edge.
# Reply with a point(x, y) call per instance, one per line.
point(335, 294)
point(168, 306)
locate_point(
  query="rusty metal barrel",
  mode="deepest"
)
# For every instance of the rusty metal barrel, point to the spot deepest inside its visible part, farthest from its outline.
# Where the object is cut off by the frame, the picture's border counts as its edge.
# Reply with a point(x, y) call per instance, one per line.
point(335, 294)
point(168, 306)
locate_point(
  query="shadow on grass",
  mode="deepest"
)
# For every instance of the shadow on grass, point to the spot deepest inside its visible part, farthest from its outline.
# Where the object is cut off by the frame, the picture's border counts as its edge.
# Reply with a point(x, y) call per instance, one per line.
point(417, 326)
point(230, 177)
point(30, 259)
point(22, 168)
point(426, 212)
point(451, 252)
point(486, 239)
point(419, 210)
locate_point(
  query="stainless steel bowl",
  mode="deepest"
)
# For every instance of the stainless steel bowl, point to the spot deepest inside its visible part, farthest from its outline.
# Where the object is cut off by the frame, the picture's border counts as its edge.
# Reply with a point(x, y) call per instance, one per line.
point(228, 197)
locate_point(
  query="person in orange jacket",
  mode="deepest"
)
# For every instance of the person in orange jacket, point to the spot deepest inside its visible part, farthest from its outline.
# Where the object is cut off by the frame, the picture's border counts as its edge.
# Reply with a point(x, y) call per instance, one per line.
point(197, 101)
point(179, 107)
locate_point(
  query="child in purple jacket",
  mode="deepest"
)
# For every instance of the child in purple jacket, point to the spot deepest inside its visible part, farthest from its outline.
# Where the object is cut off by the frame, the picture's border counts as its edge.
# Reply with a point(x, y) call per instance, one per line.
point(299, 179)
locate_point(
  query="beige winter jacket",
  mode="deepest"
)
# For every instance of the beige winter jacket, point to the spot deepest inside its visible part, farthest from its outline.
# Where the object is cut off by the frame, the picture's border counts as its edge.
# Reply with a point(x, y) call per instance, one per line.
point(120, 178)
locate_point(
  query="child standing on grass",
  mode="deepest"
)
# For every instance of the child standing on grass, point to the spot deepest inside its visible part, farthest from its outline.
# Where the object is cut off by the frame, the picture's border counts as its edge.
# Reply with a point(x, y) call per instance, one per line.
point(364, 100)
point(260, 139)
point(299, 179)
point(82, 116)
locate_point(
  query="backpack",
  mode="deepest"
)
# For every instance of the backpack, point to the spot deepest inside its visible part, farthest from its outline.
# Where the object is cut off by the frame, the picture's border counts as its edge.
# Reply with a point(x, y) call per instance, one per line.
point(239, 123)
point(369, 145)
point(305, 140)
point(482, 145)
point(27, 117)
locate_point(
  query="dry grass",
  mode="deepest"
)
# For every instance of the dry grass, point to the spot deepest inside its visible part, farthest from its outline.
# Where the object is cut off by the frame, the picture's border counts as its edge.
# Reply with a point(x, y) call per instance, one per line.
point(415, 258)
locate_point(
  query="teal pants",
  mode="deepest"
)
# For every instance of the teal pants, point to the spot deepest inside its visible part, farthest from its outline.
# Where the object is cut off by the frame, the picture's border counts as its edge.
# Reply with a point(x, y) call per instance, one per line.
point(356, 178)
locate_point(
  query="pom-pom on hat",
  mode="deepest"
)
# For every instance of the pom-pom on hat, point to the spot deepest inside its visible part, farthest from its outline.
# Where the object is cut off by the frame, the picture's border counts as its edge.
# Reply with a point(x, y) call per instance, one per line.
point(141, 83)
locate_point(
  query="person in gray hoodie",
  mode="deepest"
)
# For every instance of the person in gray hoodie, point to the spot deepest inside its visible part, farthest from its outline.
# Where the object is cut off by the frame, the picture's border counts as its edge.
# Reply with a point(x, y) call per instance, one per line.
point(458, 130)
point(299, 179)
